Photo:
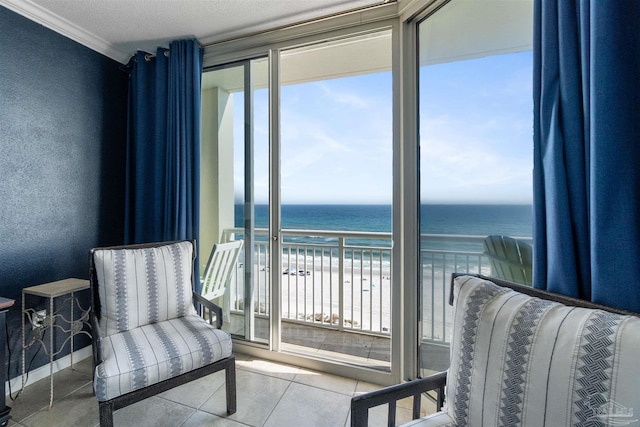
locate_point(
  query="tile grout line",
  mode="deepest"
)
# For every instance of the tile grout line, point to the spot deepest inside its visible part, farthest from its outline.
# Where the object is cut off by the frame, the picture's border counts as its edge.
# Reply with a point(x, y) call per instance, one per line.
point(277, 403)
point(46, 406)
point(326, 389)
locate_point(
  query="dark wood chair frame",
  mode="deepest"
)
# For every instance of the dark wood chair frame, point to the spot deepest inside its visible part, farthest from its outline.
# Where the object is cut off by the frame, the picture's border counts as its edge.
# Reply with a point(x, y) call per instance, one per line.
point(436, 383)
point(205, 308)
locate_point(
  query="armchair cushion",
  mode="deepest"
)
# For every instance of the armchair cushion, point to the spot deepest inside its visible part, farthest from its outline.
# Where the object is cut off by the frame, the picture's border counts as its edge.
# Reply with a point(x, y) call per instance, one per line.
point(517, 359)
point(149, 285)
point(148, 354)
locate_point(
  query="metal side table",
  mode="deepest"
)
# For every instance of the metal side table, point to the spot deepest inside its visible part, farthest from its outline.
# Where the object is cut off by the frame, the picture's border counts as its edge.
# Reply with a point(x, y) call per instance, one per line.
point(5, 304)
point(54, 319)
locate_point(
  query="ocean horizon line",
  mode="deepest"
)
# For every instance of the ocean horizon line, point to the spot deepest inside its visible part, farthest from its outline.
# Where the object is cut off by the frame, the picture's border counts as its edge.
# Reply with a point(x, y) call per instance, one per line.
point(389, 204)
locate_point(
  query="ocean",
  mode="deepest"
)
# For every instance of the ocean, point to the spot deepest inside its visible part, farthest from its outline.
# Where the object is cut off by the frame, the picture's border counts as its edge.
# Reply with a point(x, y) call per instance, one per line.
point(477, 220)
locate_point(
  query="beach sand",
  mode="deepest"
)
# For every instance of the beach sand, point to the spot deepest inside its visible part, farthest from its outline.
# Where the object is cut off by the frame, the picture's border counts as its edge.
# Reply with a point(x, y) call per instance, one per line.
point(313, 296)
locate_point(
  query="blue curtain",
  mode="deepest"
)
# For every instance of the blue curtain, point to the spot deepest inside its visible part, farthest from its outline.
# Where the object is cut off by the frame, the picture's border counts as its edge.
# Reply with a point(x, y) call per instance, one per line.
point(587, 150)
point(163, 144)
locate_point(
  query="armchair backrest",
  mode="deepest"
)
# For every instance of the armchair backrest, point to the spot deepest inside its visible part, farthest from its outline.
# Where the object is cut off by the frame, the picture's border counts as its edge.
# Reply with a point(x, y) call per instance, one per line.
point(137, 285)
point(519, 359)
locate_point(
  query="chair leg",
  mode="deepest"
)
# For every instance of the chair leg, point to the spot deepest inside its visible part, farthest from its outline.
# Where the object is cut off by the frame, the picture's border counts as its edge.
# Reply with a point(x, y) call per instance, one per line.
point(106, 414)
point(230, 382)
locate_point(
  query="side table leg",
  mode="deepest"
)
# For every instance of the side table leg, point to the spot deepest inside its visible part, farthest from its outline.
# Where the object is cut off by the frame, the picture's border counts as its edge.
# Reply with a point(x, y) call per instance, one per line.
point(51, 320)
point(23, 343)
point(4, 409)
point(71, 349)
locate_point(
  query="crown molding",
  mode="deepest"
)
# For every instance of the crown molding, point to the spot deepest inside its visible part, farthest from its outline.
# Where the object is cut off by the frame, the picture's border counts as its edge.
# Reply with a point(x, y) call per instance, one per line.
point(62, 26)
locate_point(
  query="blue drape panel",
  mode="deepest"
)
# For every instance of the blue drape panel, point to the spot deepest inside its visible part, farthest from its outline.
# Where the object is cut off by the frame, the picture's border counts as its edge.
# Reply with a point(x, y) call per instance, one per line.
point(587, 150)
point(163, 146)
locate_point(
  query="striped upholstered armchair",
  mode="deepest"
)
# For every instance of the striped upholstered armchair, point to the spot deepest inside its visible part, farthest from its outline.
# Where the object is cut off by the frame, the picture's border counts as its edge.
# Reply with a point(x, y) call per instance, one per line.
point(525, 357)
point(149, 334)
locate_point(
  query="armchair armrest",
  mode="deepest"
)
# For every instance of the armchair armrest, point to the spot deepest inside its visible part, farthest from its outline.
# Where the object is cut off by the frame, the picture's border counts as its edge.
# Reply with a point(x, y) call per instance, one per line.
point(203, 305)
point(95, 338)
point(360, 404)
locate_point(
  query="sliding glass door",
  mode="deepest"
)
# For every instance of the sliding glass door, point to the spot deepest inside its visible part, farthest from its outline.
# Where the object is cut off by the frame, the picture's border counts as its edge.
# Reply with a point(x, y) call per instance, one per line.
point(336, 112)
point(297, 162)
point(235, 189)
point(476, 154)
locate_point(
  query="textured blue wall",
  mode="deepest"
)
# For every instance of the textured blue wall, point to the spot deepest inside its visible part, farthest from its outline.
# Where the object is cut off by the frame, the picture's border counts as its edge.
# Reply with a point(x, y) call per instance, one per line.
point(62, 148)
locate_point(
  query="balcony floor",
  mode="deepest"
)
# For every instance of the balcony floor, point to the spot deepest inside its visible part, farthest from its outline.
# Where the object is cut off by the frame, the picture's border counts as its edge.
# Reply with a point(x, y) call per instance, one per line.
point(269, 394)
point(345, 346)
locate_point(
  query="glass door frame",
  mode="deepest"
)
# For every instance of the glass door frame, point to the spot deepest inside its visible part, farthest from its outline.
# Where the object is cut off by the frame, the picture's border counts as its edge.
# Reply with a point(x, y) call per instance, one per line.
point(249, 198)
point(417, 12)
point(249, 204)
point(409, 165)
point(275, 227)
point(401, 193)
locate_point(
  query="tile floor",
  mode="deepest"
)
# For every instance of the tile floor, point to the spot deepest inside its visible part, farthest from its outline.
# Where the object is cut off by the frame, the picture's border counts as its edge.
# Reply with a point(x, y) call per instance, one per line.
point(268, 394)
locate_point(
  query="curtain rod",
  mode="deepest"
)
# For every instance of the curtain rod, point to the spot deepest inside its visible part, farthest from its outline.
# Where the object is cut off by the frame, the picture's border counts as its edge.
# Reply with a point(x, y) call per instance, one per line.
point(149, 56)
point(306, 21)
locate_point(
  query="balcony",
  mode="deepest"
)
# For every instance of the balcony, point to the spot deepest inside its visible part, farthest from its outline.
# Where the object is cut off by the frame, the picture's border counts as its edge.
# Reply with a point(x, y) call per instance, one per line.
point(336, 292)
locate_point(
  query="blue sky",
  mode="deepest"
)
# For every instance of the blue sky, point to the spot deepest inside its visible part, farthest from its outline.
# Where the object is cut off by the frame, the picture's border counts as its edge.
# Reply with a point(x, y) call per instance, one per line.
point(476, 136)
point(476, 125)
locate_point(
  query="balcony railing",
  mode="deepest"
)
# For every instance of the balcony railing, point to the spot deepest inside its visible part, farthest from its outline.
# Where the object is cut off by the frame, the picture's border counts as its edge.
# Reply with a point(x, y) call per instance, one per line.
point(342, 280)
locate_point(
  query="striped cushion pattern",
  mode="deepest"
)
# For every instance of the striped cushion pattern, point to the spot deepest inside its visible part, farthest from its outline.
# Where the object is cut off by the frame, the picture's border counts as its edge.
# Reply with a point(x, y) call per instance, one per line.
point(152, 353)
point(142, 286)
point(522, 361)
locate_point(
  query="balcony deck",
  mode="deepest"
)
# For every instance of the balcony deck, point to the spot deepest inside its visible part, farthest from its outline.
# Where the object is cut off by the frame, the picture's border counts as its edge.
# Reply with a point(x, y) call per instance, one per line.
point(346, 346)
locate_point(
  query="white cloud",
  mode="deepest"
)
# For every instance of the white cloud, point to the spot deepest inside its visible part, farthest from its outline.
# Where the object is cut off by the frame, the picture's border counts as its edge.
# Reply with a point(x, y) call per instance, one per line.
point(341, 97)
point(458, 165)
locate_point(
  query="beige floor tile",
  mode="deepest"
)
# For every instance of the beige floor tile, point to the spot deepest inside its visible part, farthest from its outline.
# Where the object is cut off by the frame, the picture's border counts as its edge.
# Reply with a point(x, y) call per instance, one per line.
point(152, 412)
point(306, 406)
point(378, 416)
point(257, 395)
point(195, 393)
point(265, 367)
point(35, 395)
point(365, 387)
point(326, 381)
point(77, 409)
point(205, 419)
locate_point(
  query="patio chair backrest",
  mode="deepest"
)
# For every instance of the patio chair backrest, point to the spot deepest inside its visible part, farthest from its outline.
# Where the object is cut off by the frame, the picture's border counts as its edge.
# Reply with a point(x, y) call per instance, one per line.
point(220, 266)
point(144, 285)
point(511, 259)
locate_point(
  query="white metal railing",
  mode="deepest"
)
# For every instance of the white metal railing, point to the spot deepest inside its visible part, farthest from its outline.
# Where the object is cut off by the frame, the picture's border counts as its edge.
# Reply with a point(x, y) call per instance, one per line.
point(342, 279)
point(440, 256)
point(338, 280)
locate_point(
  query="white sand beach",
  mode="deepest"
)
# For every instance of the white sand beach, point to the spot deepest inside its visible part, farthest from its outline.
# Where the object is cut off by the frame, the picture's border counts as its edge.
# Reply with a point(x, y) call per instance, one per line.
point(311, 294)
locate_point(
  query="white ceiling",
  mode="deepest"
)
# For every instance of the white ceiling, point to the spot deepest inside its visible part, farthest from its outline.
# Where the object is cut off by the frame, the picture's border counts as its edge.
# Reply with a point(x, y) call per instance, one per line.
point(117, 28)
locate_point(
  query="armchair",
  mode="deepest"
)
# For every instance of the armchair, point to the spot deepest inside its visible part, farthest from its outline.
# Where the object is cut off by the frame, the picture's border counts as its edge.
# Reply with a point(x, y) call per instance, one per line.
point(527, 357)
point(147, 326)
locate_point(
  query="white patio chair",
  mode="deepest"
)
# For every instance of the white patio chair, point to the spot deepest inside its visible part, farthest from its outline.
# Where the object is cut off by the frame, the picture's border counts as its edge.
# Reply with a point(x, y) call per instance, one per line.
point(218, 271)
